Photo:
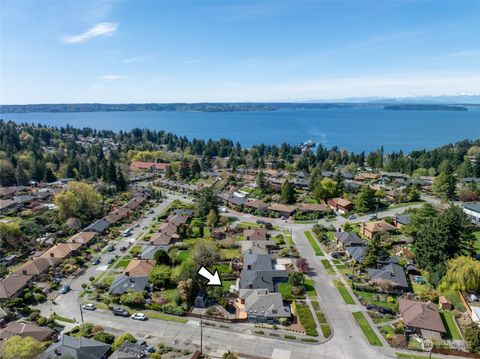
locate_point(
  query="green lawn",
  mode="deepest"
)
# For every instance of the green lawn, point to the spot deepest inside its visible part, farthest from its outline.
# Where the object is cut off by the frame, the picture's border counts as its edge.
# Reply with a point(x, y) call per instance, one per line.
point(344, 293)
point(123, 262)
point(449, 322)
point(63, 319)
point(306, 319)
point(367, 329)
point(412, 356)
point(372, 298)
point(401, 205)
point(313, 243)
point(310, 289)
point(285, 290)
point(328, 266)
point(183, 255)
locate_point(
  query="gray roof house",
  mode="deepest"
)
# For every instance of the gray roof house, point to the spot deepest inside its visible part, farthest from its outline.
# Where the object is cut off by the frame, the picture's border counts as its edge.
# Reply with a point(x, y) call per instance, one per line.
point(348, 239)
point(76, 348)
point(98, 226)
point(128, 350)
point(357, 253)
point(123, 284)
point(391, 272)
point(263, 306)
point(259, 272)
point(401, 219)
point(148, 252)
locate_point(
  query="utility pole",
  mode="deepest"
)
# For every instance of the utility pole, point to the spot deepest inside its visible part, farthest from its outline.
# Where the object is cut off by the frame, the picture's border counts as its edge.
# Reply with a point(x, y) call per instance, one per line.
point(81, 311)
point(201, 336)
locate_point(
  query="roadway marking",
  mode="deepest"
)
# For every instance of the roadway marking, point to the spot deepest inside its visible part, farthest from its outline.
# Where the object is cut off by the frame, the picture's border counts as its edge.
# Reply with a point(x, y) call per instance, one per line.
point(281, 354)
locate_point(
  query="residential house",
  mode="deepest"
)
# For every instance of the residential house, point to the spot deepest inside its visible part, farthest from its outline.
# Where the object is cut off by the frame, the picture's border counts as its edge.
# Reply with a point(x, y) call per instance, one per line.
point(340, 205)
point(366, 176)
point(76, 348)
point(124, 284)
point(7, 205)
point(128, 350)
point(357, 253)
point(98, 226)
point(391, 272)
point(256, 204)
point(255, 234)
point(117, 215)
point(401, 220)
point(261, 306)
point(26, 330)
point(314, 208)
point(178, 219)
point(473, 211)
point(370, 229)
point(153, 166)
point(444, 303)
point(83, 237)
point(282, 209)
point(148, 252)
point(422, 318)
point(139, 268)
point(232, 200)
point(347, 239)
point(12, 285)
point(61, 250)
point(259, 272)
point(37, 266)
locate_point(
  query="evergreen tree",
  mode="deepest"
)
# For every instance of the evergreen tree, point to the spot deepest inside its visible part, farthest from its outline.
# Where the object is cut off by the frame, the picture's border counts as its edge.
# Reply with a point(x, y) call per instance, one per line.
point(262, 184)
point(376, 253)
point(121, 183)
point(196, 169)
point(49, 175)
point(444, 186)
point(111, 172)
point(287, 194)
point(20, 176)
point(365, 201)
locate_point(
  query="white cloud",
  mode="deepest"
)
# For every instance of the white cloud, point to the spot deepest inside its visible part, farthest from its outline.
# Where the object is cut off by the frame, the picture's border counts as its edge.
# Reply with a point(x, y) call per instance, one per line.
point(102, 29)
point(112, 77)
point(192, 61)
point(132, 60)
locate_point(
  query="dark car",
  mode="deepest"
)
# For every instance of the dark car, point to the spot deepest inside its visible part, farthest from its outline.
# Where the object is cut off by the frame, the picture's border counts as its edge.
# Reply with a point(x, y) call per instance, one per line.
point(384, 310)
point(111, 260)
point(371, 307)
point(120, 312)
point(96, 261)
point(111, 248)
point(123, 249)
point(260, 221)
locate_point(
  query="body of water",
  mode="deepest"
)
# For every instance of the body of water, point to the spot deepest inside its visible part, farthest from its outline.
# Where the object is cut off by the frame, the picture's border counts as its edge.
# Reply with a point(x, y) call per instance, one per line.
point(351, 129)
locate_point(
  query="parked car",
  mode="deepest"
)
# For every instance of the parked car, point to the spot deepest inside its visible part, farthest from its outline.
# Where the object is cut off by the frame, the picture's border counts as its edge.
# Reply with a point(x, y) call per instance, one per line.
point(111, 260)
point(89, 306)
point(149, 349)
point(120, 312)
point(373, 216)
point(111, 248)
point(351, 217)
point(137, 225)
point(96, 261)
point(384, 310)
point(139, 316)
point(261, 221)
point(371, 307)
point(65, 289)
point(123, 249)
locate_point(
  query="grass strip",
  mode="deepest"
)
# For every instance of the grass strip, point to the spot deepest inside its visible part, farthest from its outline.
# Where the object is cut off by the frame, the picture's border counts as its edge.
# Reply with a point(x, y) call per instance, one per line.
point(313, 243)
point(367, 329)
point(328, 267)
point(347, 298)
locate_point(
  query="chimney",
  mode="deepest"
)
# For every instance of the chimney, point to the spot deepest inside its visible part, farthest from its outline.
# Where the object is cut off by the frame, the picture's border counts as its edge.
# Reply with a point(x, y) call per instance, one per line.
point(52, 254)
point(249, 266)
point(127, 273)
point(24, 271)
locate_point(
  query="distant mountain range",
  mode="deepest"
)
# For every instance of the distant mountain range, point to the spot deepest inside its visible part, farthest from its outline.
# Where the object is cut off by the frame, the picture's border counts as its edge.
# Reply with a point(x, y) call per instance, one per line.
point(432, 103)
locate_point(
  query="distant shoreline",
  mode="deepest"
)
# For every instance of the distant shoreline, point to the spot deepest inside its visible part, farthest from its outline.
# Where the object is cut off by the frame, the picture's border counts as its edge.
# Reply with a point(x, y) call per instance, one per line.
point(223, 107)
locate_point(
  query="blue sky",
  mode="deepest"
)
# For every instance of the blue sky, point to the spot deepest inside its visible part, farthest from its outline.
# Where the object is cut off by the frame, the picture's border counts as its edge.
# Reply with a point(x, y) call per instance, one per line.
point(169, 51)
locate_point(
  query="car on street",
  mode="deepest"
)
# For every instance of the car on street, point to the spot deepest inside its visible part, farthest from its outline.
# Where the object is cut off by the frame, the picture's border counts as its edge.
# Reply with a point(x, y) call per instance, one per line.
point(139, 316)
point(96, 261)
point(89, 306)
point(123, 249)
point(65, 289)
point(373, 216)
point(351, 217)
point(384, 310)
point(120, 312)
point(371, 307)
point(111, 248)
point(111, 260)
point(260, 221)
point(137, 225)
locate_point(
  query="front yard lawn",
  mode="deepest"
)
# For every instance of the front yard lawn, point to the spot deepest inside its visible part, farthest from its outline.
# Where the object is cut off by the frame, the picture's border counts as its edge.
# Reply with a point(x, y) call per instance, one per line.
point(285, 290)
point(412, 356)
point(452, 329)
point(123, 262)
point(306, 319)
point(328, 266)
point(310, 289)
point(313, 243)
point(344, 293)
point(367, 329)
point(374, 298)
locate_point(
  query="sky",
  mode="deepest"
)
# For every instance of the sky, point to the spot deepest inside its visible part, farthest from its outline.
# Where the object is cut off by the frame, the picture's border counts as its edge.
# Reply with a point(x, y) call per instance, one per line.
point(74, 51)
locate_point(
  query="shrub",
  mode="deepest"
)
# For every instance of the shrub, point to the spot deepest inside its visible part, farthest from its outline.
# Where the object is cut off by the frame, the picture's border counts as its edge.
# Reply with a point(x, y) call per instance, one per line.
point(41, 321)
point(39, 297)
point(290, 337)
point(103, 337)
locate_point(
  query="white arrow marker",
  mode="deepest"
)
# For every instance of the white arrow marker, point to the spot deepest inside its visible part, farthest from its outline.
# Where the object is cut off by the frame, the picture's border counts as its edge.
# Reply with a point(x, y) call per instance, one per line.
point(213, 279)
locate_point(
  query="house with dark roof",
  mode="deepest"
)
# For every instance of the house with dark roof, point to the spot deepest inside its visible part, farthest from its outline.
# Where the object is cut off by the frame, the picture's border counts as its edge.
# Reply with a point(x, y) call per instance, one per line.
point(259, 272)
point(401, 220)
point(391, 272)
point(473, 211)
point(231, 200)
point(262, 306)
point(128, 350)
point(98, 226)
point(178, 219)
point(76, 348)
point(148, 252)
point(347, 239)
point(357, 253)
point(422, 318)
point(26, 330)
point(123, 284)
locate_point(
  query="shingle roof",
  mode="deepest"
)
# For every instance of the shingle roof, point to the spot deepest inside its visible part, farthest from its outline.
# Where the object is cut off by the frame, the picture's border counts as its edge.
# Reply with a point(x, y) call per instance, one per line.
point(392, 272)
point(262, 302)
point(357, 253)
point(348, 238)
point(25, 330)
point(255, 234)
point(82, 237)
point(139, 268)
point(123, 284)
point(422, 315)
point(61, 250)
point(37, 265)
point(98, 226)
point(77, 348)
point(12, 283)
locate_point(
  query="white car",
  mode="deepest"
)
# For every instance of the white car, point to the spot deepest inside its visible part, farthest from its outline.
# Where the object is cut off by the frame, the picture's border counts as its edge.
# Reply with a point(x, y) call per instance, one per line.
point(139, 316)
point(89, 306)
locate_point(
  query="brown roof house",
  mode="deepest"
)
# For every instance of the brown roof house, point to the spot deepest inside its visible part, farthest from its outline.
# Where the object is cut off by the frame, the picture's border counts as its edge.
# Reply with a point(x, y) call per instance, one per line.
point(422, 318)
point(37, 266)
point(139, 268)
point(314, 208)
point(82, 237)
point(256, 204)
point(369, 229)
point(255, 234)
point(62, 250)
point(12, 285)
point(25, 330)
point(282, 209)
point(178, 219)
point(340, 205)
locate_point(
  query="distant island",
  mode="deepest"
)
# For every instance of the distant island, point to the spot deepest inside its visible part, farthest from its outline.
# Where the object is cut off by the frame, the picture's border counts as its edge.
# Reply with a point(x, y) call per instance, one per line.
point(425, 107)
point(220, 107)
